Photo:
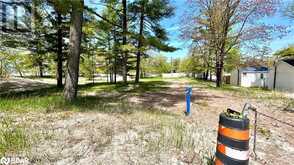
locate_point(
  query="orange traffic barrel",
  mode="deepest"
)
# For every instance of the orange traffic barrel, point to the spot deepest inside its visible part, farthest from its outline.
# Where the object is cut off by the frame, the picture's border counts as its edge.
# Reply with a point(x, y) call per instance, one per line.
point(233, 139)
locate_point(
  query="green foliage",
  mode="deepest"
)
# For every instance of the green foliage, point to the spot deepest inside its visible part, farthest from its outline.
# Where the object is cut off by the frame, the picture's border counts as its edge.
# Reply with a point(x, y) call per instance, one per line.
point(286, 52)
point(158, 44)
point(175, 65)
point(191, 64)
point(232, 60)
point(88, 67)
point(156, 64)
point(153, 12)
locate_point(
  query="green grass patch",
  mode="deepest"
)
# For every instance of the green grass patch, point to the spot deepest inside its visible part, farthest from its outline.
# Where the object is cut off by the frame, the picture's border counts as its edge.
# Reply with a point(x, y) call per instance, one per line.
point(102, 97)
point(13, 138)
point(252, 92)
point(163, 133)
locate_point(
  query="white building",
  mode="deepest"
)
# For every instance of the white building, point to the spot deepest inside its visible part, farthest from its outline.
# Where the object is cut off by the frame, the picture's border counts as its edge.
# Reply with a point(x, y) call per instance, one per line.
point(281, 75)
point(250, 77)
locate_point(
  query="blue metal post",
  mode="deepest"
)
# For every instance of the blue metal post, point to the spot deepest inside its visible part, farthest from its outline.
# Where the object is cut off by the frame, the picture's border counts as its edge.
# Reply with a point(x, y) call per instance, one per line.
point(188, 100)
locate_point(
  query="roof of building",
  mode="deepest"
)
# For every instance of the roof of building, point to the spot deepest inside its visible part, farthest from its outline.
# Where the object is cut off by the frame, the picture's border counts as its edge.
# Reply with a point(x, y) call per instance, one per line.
point(255, 69)
point(290, 61)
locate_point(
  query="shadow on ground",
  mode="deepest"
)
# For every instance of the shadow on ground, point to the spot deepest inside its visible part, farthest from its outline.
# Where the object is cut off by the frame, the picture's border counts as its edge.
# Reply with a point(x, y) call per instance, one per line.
point(102, 97)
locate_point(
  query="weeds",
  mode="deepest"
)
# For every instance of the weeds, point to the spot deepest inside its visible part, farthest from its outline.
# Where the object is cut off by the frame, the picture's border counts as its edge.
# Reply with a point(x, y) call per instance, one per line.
point(12, 137)
point(290, 105)
point(265, 132)
point(173, 134)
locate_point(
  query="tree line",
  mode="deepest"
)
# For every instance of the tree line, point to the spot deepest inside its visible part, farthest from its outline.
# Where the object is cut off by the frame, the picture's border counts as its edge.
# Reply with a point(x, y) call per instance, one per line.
point(65, 35)
point(72, 38)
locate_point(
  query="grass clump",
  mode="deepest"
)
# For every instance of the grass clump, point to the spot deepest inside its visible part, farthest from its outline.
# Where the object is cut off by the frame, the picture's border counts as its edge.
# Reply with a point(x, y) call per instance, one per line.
point(290, 105)
point(13, 138)
point(170, 134)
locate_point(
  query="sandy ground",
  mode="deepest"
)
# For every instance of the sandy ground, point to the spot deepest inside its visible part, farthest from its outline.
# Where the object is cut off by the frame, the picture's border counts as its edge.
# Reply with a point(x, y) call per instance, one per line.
point(75, 137)
point(24, 84)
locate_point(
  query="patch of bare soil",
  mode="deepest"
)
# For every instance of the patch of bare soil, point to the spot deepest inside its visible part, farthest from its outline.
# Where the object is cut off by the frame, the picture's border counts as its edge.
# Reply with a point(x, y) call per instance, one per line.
point(20, 84)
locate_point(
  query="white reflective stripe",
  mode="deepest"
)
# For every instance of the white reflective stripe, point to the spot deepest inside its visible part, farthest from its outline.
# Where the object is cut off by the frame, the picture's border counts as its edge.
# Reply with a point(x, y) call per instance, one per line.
point(236, 154)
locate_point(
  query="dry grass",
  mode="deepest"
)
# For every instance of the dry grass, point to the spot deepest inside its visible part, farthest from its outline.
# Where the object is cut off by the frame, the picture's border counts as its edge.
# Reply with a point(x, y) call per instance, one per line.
point(13, 137)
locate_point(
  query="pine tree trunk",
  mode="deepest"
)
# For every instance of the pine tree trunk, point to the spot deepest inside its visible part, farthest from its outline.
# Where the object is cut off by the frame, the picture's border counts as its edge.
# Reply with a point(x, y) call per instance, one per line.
point(72, 75)
point(114, 51)
point(41, 69)
point(125, 29)
point(206, 74)
point(1, 68)
point(140, 45)
point(115, 69)
point(59, 51)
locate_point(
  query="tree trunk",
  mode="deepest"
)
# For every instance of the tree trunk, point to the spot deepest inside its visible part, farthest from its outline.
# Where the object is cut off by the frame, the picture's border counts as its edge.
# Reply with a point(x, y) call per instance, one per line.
point(109, 67)
point(115, 69)
point(207, 74)
point(140, 43)
point(72, 75)
point(59, 51)
point(114, 51)
point(219, 69)
point(193, 75)
point(93, 69)
point(218, 76)
point(1, 69)
point(223, 42)
point(125, 29)
point(18, 69)
point(40, 63)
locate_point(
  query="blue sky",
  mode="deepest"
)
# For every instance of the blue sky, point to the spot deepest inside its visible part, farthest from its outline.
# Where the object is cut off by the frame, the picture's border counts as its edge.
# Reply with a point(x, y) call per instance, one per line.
point(172, 25)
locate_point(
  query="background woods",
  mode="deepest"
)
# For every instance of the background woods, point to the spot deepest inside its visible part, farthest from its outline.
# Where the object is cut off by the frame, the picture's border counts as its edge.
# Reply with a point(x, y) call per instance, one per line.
point(108, 37)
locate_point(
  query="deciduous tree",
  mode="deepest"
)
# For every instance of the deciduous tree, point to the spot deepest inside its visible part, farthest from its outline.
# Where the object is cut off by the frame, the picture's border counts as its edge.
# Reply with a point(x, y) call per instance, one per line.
point(231, 23)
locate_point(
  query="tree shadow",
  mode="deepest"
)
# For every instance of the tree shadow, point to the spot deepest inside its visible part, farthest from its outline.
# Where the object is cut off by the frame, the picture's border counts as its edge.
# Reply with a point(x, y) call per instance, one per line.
point(171, 99)
point(40, 92)
point(115, 104)
point(110, 98)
